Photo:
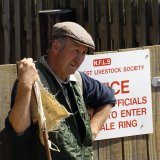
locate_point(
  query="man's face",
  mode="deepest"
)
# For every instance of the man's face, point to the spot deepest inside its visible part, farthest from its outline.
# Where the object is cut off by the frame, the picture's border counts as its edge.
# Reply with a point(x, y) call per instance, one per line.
point(68, 59)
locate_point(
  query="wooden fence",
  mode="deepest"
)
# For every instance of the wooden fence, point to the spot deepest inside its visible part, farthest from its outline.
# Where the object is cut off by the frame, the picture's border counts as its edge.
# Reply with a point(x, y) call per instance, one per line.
point(141, 147)
point(114, 25)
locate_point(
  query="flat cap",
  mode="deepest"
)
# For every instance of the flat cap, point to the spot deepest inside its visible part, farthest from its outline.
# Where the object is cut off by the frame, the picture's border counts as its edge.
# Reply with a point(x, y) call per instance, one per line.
point(73, 30)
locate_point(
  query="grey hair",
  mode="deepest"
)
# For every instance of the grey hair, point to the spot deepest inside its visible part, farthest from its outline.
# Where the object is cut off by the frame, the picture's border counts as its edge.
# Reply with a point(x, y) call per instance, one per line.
point(60, 39)
point(62, 42)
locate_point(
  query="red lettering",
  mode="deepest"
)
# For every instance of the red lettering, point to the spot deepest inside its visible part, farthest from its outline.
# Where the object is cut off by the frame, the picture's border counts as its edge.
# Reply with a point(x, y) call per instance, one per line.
point(102, 62)
point(144, 100)
point(113, 84)
point(133, 112)
point(132, 101)
point(119, 87)
point(113, 115)
point(108, 126)
point(124, 85)
point(127, 124)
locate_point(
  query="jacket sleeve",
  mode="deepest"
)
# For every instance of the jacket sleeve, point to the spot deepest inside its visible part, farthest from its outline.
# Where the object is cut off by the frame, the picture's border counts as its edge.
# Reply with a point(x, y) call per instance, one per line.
point(95, 93)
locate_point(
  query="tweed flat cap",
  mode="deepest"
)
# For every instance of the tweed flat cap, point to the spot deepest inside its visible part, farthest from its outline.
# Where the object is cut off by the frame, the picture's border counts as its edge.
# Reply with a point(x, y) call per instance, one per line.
point(73, 30)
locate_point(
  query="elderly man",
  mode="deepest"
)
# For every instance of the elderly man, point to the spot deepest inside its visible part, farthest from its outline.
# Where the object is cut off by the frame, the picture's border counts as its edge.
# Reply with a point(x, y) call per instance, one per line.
point(69, 43)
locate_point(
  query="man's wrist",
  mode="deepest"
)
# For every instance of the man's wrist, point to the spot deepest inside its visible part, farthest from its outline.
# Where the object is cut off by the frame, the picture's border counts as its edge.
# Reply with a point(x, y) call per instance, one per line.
point(25, 85)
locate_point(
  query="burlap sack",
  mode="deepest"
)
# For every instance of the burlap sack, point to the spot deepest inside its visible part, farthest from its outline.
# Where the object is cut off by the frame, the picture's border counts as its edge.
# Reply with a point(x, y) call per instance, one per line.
point(46, 110)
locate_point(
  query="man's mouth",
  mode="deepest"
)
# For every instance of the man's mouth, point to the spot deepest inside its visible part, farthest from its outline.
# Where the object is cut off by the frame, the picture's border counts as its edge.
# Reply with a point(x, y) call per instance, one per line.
point(73, 64)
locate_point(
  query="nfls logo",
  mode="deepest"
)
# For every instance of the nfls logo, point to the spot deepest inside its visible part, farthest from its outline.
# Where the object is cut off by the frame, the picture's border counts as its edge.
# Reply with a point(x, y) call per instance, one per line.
point(101, 62)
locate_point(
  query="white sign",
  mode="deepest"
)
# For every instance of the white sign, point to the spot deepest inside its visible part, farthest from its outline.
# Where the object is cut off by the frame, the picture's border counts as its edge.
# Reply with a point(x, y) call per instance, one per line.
point(128, 73)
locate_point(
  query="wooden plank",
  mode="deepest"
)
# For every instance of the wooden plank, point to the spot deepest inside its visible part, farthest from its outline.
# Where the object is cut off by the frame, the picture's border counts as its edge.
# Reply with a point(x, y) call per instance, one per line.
point(63, 3)
point(153, 139)
point(29, 27)
point(8, 75)
point(7, 28)
point(95, 150)
point(45, 4)
point(141, 151)
point(128, 30)
point(103, 150)
point(142, 36)
point(73, 6)
point(37, 20)
point(113, 149)
point(128, 147)
point(115, 29)
point(17, 28)
point(91, 19)
point(155, 29)
point(137, 146)
point(43, 26)
point(103, 27)
point(50, 4)
point(97, 20)
point(2, 43)
point(34, 34)
point(149, 22)
point(80, 12)
point(152, 149)
point(1, 7)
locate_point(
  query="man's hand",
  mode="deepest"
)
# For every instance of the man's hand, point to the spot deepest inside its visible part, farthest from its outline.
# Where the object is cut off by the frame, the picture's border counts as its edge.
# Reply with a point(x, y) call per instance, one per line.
point(27, 73)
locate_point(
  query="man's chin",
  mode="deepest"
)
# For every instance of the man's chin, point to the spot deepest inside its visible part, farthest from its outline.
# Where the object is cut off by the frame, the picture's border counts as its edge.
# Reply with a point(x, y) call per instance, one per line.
point(73, 69)
point(73, 72)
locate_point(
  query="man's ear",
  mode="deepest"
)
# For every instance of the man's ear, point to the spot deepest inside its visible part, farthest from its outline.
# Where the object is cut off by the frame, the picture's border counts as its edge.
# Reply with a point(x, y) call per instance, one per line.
point(55, 45)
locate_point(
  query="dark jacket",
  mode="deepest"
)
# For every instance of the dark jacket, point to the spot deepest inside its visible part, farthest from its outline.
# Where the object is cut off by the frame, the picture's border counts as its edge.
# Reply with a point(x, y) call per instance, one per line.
point(74, 136)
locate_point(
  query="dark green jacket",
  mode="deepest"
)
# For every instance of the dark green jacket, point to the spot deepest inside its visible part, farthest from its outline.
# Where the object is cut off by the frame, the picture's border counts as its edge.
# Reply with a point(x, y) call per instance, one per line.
point(72, 146)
